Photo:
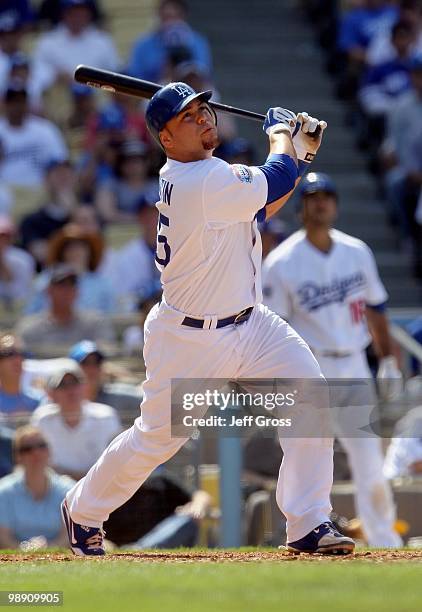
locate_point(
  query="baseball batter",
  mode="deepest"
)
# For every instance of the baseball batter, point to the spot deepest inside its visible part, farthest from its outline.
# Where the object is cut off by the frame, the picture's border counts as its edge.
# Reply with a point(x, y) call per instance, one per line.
point(326, 284)
point(211, 322)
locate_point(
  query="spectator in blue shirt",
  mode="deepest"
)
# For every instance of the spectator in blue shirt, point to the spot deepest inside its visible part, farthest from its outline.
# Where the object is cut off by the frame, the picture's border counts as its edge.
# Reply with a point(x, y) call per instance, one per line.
point(30, 497)
point(151, 52)
point(384, 82)
point(359, 26)
point(16, 405)
point(357, 29)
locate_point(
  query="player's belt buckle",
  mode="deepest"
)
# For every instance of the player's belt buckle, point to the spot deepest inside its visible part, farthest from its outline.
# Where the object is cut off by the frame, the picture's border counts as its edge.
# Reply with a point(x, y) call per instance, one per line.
point(239, 316)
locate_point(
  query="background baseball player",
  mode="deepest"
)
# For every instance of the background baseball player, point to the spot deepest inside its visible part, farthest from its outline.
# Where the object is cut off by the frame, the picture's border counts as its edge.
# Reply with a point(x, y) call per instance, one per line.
point(210, 323)
point(326, 284)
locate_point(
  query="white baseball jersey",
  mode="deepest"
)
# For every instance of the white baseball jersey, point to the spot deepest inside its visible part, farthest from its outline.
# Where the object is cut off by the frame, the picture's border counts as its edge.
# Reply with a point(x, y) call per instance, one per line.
point(323, 295)
point(27, 148)
point(208, 244)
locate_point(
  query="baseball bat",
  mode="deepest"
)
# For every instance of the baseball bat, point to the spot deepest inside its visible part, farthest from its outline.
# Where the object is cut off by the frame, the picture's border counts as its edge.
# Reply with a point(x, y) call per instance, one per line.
point(121, 83)
point(130, 86)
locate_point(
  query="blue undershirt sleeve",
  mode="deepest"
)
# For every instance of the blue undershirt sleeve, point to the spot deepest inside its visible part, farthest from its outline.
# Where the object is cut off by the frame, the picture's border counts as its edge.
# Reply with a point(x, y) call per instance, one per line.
point(281, 173)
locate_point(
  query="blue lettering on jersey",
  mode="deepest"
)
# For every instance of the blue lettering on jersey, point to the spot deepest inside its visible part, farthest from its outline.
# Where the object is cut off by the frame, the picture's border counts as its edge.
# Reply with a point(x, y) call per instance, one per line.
point(166, 189)
point(313, 296)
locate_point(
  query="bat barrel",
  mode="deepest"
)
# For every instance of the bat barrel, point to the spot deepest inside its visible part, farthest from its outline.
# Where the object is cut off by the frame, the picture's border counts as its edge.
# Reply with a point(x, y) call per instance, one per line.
point(115, 82)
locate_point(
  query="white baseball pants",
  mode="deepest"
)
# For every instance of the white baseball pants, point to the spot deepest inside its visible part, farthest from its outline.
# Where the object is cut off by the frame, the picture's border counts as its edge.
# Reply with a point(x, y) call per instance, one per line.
point(263, 347)
point(374, 500)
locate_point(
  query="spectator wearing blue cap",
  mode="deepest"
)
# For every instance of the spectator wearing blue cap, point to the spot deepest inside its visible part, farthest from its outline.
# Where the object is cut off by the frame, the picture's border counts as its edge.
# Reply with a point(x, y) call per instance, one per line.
point(150, 53)
point(75, 40)
point(124, 397)
point(27, 141)
point(118, 198)
point(133, 283)
point(59, 201)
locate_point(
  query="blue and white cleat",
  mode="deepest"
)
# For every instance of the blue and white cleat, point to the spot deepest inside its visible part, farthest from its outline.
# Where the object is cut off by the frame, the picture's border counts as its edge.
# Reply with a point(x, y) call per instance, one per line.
point(84, 541)
point(325, 540)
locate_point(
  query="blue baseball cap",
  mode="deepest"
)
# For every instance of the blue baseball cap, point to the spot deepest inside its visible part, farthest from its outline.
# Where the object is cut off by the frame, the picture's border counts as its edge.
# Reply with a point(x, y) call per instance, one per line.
point(168, 102)
point(317, 181)
point(80, 351)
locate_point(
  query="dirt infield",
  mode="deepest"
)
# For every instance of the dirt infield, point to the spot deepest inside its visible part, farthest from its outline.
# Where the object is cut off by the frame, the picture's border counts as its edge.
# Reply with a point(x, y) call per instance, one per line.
point(219, 556)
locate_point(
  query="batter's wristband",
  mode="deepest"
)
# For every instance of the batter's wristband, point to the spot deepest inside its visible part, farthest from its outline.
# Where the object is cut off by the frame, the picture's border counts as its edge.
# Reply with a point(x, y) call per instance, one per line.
point(302, 166)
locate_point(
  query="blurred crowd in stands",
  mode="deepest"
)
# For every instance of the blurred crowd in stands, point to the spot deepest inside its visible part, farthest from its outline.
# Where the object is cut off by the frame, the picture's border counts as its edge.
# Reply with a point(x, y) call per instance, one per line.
point(78, 186)
point(373, 51)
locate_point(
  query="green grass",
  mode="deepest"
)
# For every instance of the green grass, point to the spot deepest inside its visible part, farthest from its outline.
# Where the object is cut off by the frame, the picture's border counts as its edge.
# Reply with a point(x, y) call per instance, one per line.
point(120, 585)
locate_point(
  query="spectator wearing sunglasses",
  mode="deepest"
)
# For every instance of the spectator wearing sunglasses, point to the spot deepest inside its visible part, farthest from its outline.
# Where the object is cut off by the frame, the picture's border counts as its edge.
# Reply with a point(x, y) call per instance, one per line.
point(16, 405)
point(76, 429)
point(124, 397)
point(30, 496)
point(54, 330)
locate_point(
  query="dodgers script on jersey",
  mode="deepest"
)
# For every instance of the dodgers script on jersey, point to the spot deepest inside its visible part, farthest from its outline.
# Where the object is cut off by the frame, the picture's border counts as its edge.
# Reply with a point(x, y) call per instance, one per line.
point(208, 244)
point(323, 295)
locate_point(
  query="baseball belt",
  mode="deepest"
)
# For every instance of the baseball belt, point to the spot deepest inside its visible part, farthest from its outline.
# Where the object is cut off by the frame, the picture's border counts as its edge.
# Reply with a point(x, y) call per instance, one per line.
point(236, 319)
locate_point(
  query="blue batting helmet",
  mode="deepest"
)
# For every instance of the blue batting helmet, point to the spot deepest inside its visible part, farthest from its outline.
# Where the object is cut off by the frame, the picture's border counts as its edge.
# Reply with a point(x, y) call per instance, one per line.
point(168, 102)
point(317, 181)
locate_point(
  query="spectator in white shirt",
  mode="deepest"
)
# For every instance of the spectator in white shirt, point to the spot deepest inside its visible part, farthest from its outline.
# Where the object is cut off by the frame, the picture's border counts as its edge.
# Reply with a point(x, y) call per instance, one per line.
point(17, 267)
point(75, 41)
point(27, 142)
point(77, 430)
